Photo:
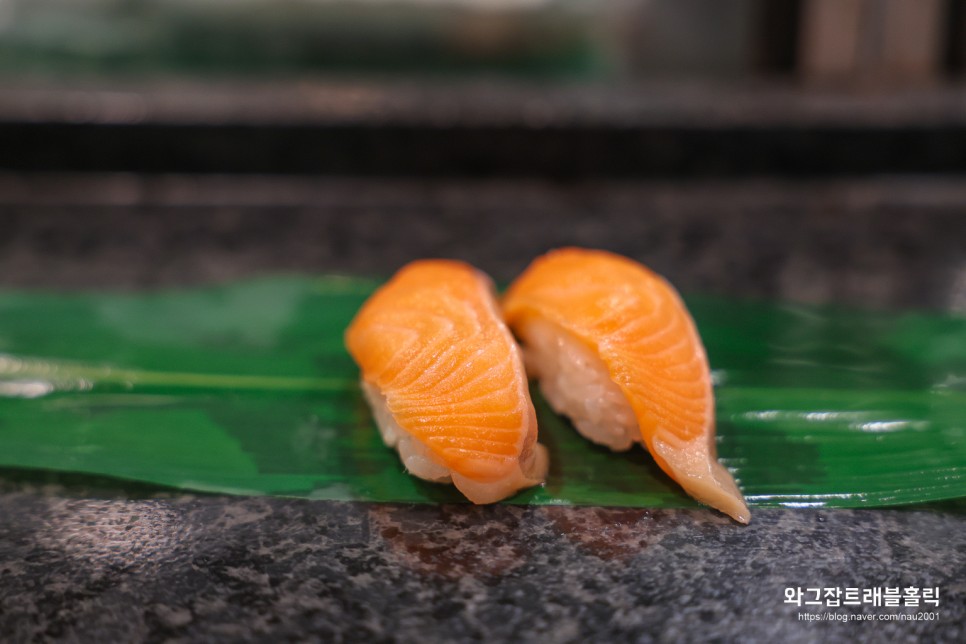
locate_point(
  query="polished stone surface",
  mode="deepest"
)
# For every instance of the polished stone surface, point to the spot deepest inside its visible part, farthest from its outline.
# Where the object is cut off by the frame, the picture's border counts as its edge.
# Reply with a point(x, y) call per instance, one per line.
point(84, 560)
point(213, 568)
point(891, 242)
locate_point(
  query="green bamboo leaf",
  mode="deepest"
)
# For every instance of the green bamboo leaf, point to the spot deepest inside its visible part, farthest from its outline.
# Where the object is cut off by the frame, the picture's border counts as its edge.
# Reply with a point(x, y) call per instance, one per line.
point(247, 389)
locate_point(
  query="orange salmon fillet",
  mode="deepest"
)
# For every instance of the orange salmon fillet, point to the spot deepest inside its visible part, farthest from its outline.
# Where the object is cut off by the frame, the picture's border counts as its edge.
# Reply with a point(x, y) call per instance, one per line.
point(639, 327)
point(432, 342)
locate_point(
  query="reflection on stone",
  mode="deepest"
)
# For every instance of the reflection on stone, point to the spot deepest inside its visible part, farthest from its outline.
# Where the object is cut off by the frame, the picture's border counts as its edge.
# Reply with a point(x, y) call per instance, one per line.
point(454, 541)
point(610, 533)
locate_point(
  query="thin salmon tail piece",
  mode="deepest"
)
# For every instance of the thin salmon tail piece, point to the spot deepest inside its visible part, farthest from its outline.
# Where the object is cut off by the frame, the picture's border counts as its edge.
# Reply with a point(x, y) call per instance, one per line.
point(446, 383)
point(615, 349)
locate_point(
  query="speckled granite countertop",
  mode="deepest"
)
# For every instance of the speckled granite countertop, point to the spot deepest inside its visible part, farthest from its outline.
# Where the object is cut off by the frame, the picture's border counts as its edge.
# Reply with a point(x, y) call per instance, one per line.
point(84, 560)
point(197, 569)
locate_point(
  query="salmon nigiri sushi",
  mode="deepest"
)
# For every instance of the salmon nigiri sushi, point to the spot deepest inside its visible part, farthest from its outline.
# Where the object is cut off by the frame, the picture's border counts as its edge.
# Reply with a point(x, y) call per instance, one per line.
point(615, 349)
point(446, 381)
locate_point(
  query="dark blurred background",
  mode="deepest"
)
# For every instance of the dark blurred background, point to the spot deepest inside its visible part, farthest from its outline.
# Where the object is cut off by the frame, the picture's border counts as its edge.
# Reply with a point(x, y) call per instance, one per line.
point(851, 40)
point(797, 149)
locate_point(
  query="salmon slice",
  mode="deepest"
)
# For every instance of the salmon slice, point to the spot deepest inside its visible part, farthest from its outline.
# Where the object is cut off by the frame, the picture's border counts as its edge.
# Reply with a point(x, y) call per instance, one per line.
point(614, 348)
point(446, 381)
